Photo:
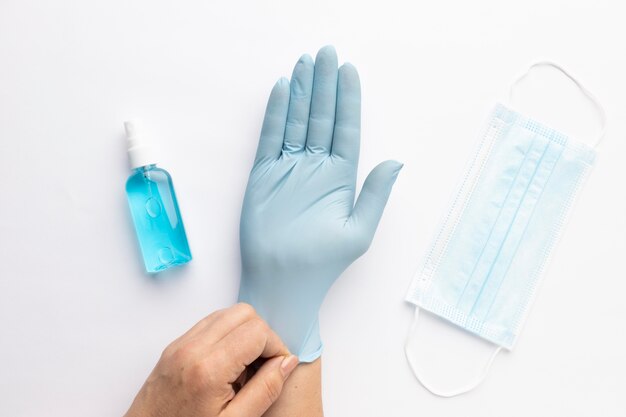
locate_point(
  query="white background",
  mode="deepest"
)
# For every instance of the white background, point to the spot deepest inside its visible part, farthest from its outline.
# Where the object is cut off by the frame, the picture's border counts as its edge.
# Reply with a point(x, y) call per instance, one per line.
point(81, 325)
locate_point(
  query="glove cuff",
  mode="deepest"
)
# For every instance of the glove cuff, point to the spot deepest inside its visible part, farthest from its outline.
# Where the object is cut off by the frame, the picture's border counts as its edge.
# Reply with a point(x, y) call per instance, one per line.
point(312, 346)
point(294, 321)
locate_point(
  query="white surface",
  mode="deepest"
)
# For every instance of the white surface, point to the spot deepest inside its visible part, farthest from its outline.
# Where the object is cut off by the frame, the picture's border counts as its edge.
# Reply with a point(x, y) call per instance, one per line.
point(81, 326)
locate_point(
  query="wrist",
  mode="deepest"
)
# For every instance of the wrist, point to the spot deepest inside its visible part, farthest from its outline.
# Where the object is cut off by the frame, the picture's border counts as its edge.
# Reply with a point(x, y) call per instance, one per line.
point(292, 316)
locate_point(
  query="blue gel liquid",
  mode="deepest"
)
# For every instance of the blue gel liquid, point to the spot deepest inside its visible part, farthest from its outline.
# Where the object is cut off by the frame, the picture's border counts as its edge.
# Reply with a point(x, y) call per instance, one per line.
point(157, 219)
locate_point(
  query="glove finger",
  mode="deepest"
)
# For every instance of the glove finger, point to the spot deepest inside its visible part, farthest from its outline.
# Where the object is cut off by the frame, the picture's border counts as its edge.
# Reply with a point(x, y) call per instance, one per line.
point(323, 102)
point(299, 105)
point(371, 203)
point(347, 133)
point(273, 130)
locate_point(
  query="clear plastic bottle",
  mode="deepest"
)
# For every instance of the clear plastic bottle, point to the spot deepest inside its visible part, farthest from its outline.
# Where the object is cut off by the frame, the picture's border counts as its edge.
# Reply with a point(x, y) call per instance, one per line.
point(154, 208)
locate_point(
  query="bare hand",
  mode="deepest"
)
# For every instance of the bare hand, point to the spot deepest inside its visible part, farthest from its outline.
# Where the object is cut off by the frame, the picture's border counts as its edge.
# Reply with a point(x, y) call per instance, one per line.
point(199, 374)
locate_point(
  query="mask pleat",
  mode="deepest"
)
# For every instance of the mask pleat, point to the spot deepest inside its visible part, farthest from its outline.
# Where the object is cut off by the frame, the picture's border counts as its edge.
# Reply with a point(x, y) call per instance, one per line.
point(491, 253)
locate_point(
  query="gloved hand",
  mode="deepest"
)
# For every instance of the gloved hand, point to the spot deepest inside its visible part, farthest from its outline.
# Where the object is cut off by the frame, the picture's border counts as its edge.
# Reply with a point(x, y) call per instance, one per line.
point(300, 228)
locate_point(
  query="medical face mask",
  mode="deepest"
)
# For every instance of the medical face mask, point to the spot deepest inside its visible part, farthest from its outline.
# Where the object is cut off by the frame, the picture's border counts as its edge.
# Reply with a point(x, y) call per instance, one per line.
point(485, 263)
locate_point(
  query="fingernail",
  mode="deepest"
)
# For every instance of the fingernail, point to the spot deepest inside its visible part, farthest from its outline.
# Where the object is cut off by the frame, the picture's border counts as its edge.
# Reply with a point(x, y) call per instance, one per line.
point(288, 365)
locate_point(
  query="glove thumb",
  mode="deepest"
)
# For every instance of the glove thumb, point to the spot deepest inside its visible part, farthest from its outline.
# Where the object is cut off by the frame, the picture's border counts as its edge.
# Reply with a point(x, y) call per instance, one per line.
point(371, 202)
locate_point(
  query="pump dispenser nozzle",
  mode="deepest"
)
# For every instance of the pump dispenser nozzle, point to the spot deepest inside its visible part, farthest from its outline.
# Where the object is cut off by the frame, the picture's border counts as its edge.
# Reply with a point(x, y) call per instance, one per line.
point(140, 153)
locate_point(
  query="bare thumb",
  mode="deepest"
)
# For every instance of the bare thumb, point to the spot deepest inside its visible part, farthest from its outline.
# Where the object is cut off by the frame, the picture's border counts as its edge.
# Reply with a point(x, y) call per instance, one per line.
point(263, 389)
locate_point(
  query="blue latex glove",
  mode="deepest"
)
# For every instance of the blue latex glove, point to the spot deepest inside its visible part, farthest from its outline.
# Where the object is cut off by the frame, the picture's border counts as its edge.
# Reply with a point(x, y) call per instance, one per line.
point(300, 228)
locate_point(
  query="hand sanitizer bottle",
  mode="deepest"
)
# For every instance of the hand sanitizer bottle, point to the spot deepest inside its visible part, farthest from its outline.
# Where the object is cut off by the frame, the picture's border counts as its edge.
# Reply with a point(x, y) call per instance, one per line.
point(154, 208)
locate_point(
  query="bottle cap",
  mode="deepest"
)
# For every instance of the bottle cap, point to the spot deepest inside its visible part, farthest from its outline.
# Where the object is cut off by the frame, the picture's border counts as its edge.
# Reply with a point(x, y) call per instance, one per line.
point(140, 153)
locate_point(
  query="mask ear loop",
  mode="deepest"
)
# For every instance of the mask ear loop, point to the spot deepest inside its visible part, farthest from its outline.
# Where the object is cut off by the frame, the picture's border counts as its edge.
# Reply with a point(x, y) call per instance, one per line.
point(410, 341)
point(590, 96)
